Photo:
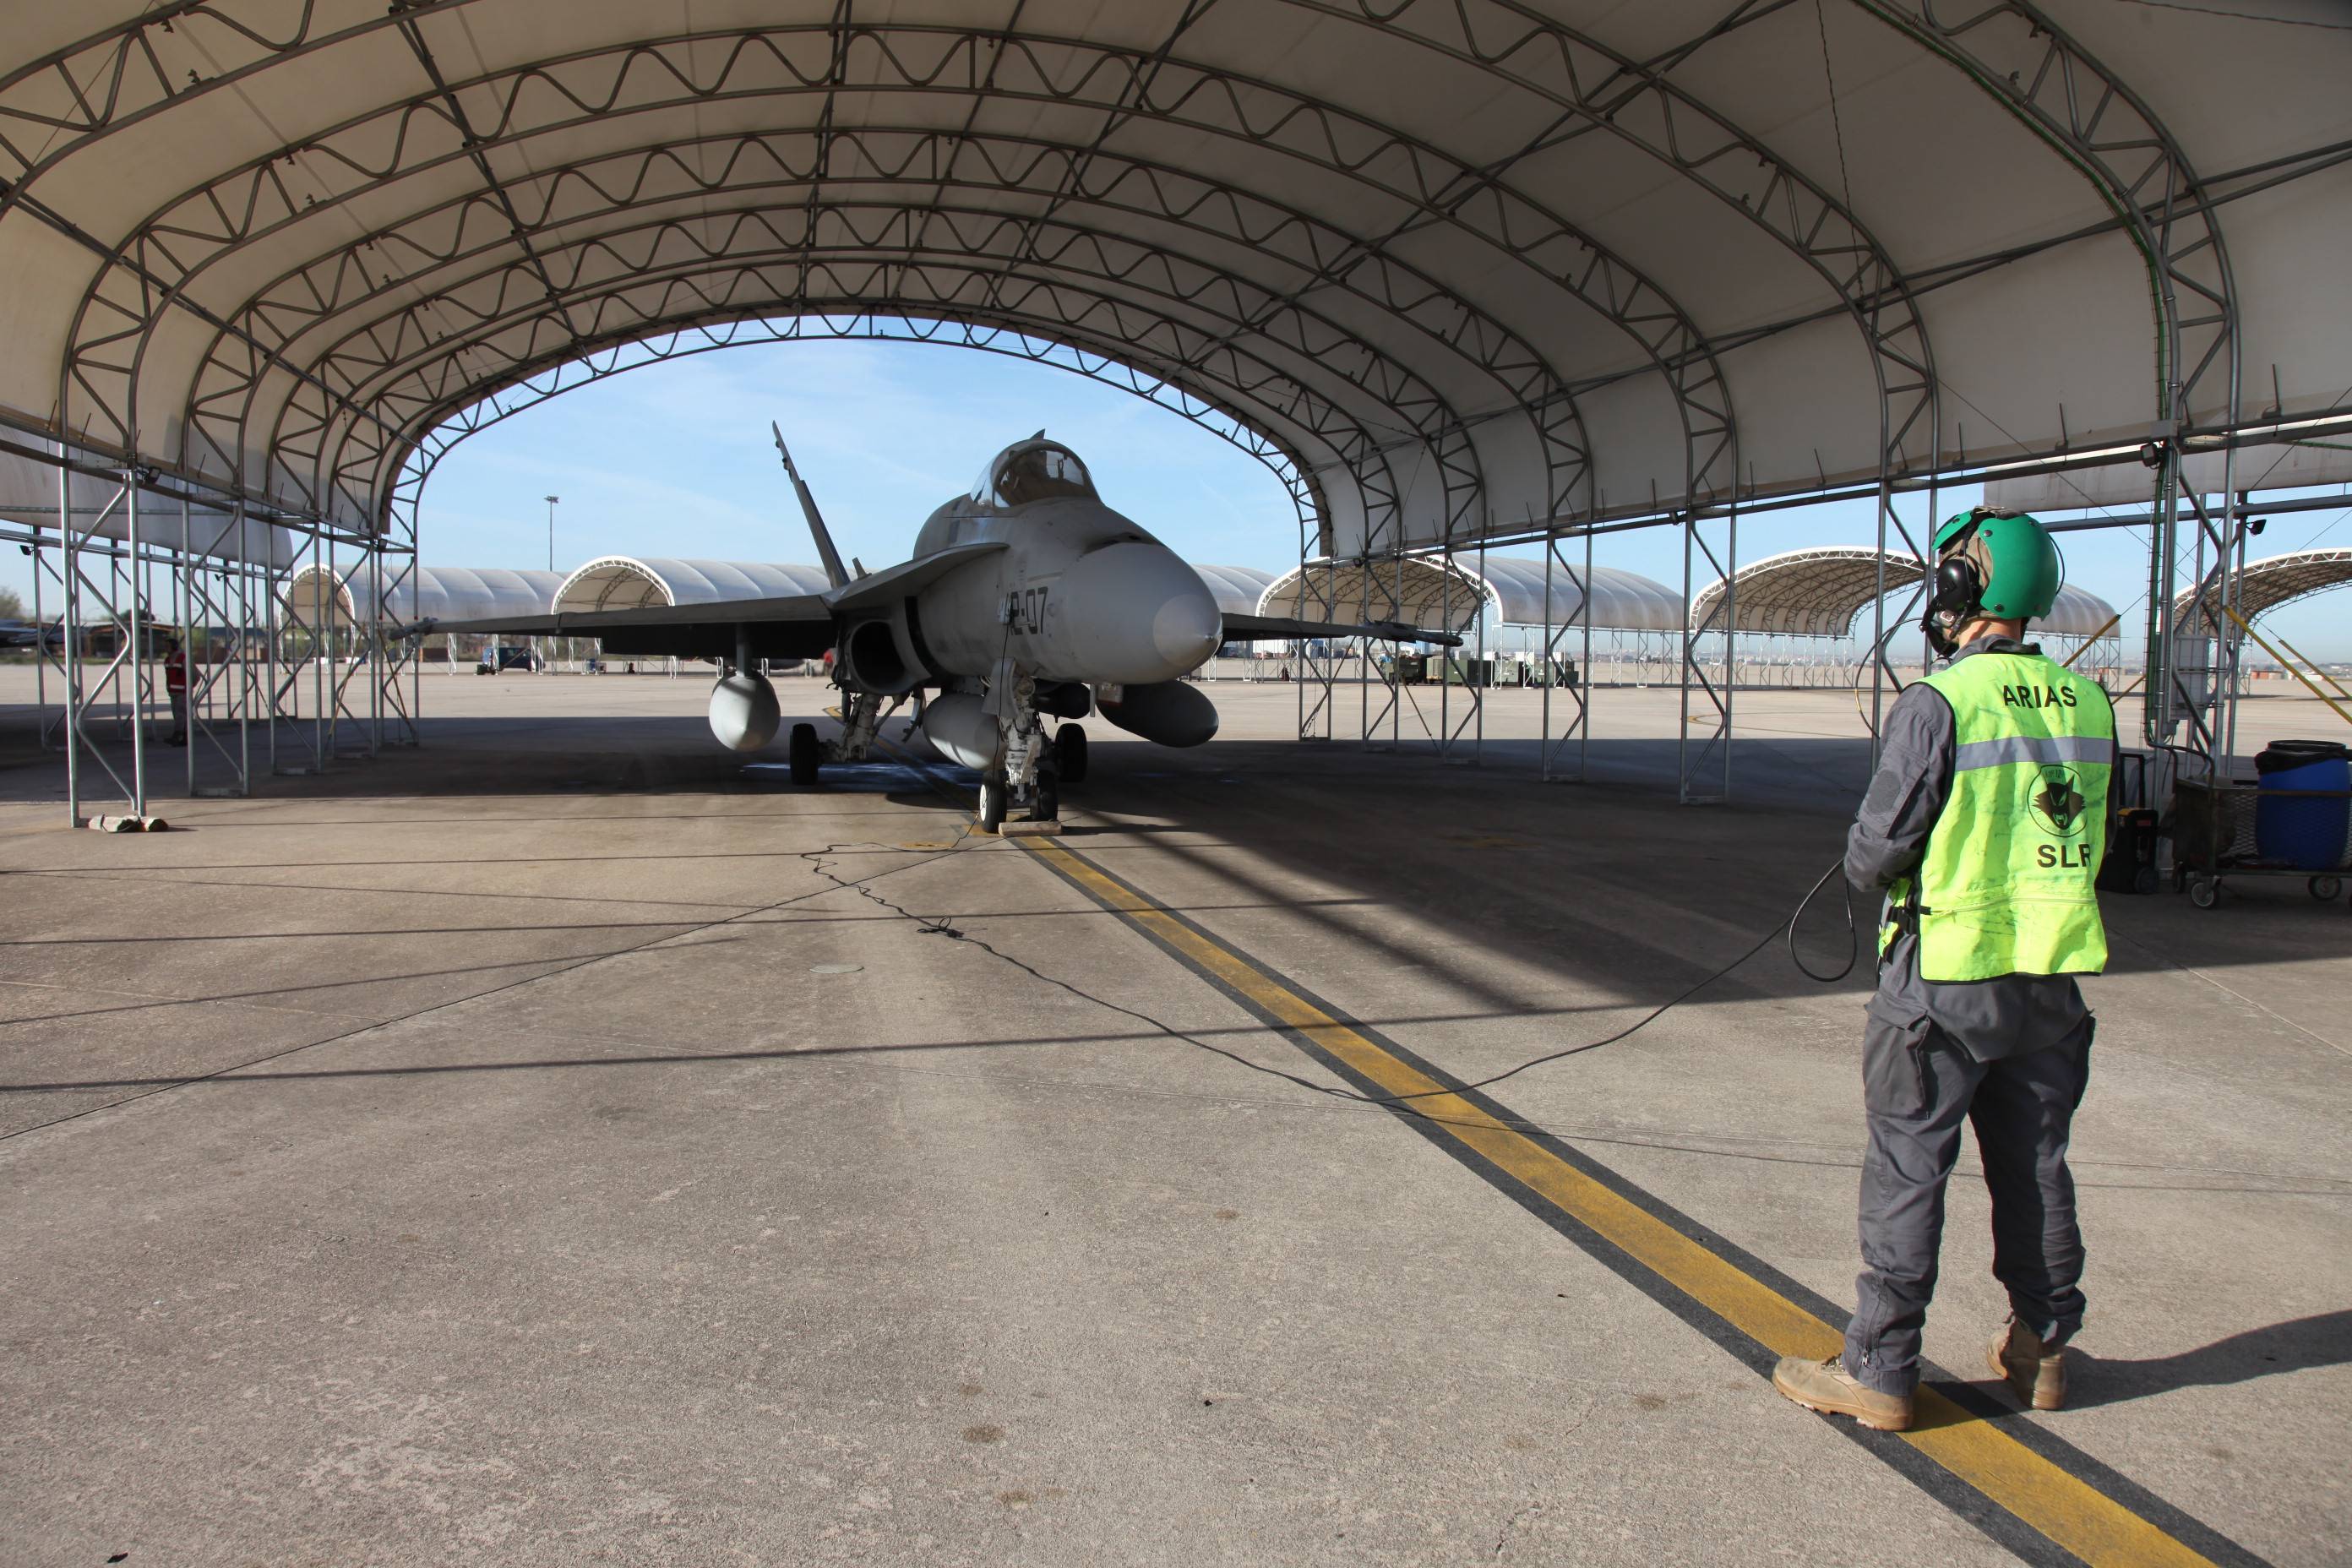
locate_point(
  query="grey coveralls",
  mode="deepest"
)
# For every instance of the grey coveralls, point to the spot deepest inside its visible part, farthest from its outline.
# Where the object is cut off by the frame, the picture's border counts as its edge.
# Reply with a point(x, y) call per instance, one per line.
point(2010, 1054)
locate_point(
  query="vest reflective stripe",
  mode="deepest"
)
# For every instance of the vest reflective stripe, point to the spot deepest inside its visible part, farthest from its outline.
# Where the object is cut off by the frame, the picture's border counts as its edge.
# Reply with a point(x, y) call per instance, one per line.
point(2006, 885)
point(2033, 749)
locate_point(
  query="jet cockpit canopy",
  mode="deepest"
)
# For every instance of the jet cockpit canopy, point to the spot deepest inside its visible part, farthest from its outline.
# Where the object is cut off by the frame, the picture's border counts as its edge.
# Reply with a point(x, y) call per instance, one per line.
point(1032, 470)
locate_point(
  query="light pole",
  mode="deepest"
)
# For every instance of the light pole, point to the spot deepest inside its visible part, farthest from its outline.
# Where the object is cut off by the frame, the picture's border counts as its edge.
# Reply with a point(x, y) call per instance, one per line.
point(551, 542)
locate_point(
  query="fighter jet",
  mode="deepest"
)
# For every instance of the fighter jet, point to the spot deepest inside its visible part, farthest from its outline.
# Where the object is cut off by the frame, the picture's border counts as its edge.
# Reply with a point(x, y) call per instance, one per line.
point(1026, 599)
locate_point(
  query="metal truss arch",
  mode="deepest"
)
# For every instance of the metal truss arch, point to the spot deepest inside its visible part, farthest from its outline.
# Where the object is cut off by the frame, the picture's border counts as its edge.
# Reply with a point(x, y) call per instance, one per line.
point(415, 384)
point(312, 292)
point(1606, 282)
point(2094, 120)
point(1355, 452)
point(1287, 465)
point(254, 199)
point(224, 385)
point(1611, 94)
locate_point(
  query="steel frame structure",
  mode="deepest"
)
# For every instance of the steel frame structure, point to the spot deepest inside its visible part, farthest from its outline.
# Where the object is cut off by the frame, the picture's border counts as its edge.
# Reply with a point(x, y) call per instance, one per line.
point(2083, 112)
point(324, 397)
point(105, 588)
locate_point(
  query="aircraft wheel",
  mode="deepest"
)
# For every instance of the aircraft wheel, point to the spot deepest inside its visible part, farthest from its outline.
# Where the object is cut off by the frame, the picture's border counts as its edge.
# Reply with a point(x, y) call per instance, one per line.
point(1045, 803)
point(805, 754)
point(993, 794)
point(1070, 753)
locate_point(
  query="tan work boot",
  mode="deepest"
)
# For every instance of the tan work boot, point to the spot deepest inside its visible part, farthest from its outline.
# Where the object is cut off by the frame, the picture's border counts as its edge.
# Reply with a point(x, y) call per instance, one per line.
point(2038, 1376)
point(1826, 1385)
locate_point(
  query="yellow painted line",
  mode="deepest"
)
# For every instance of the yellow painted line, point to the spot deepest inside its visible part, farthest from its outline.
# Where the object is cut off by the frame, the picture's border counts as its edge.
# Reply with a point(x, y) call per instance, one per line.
point(2070, 1512)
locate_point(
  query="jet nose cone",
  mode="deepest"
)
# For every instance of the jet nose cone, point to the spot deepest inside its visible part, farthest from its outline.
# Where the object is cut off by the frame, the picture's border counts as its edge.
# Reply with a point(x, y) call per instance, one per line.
point(1188, 627)
point(1138, 614)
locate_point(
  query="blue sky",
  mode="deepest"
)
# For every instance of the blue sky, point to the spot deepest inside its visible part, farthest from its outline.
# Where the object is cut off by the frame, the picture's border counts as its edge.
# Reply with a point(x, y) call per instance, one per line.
point(675, 460)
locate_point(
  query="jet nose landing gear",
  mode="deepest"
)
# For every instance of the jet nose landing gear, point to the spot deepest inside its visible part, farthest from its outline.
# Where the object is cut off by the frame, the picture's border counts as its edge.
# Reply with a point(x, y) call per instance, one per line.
point(1032, 773)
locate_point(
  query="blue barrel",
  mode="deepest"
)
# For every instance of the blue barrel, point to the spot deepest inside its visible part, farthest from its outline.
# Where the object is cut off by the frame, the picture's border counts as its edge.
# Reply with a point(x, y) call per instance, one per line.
point(2307, 834)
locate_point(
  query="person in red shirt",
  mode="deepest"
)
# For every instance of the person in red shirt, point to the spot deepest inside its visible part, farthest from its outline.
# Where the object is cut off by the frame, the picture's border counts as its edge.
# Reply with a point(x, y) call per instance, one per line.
point(176, 688)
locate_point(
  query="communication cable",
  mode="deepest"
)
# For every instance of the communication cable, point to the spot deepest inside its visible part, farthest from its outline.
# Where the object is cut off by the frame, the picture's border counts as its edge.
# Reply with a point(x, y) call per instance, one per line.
point(817, 860)
point(1853, 954)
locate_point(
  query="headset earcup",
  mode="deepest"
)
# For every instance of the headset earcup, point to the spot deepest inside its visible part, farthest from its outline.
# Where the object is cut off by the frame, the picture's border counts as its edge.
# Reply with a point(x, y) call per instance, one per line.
point(1957, 588)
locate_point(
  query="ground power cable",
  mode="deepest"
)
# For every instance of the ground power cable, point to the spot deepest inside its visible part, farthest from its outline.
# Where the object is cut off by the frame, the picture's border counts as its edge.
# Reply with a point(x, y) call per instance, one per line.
point(942, 925)
point(576, 964)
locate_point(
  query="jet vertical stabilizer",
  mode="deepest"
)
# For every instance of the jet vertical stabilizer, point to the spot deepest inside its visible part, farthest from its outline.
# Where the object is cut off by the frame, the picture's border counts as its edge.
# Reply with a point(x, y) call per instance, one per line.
point(826, 554)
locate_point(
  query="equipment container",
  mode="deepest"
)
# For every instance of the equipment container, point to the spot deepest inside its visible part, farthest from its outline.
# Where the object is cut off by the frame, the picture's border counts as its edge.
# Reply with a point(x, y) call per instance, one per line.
point(2305, 833)
point(2216, 832)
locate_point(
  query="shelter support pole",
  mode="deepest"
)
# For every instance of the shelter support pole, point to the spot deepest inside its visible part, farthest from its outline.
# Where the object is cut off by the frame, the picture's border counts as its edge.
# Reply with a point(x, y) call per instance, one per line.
point(1884, 631)
point(1397, 689)
point(1555, 631)
point(1449, 662)
point(183, 600)
point(270, 632)
point(70, 649)
point(216, 588)
point(362, 629)
point(137, 646)
point(2158, 688)
point(287, 670)
point(1584, 663)
point(52, 725)
point(1392, 678)
point(1313, 668)
point(80, 593)
point(1707, 670)
point(322, 733)
point(1478, 740)
point(1466, 674)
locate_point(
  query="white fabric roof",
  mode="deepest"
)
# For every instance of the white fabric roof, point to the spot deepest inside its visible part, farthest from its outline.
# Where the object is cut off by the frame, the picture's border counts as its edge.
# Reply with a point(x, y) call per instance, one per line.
point(1465, 264)
point(1237, 588)
point(444, 593)
point(1422, 593)
point(1819, 592)
point(2271, 581)
point(628, 582)
point(28, 497)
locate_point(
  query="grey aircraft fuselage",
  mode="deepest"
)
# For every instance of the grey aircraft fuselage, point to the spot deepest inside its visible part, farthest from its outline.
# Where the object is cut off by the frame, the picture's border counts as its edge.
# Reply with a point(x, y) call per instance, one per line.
point(1079, 593)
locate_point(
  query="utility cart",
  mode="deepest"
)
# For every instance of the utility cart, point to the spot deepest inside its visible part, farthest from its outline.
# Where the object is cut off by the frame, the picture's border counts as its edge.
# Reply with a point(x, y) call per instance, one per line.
point(2224, 829)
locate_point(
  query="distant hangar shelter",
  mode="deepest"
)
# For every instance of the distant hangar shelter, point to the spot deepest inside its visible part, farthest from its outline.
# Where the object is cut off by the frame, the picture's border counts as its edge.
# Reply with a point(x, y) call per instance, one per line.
point(1460, 272)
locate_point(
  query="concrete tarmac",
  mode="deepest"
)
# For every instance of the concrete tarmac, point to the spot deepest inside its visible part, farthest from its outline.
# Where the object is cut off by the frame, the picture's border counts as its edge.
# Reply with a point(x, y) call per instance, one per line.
point(566, 1142)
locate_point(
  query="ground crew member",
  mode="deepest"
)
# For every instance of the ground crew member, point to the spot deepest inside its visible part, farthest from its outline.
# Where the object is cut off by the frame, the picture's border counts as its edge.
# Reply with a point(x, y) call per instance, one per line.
point(1984, 826)
point(176, 688)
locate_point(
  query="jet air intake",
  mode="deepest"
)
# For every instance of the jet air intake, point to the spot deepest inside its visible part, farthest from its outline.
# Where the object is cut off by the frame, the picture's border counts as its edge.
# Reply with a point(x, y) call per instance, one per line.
point(1167, 712)
point(743, 710)
point(878, 656)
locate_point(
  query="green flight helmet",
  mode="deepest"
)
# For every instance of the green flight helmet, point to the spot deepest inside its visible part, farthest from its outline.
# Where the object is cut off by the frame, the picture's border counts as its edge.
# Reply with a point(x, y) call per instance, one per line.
point(2018, 571)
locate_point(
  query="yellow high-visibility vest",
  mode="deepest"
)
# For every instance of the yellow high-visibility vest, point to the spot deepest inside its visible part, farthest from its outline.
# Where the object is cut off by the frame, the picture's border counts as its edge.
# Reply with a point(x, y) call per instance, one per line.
point(2006, 884)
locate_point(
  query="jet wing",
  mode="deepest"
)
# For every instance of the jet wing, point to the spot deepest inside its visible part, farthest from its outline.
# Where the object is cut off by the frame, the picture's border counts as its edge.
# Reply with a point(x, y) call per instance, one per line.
point(1281, 629)
point(908, 576)
point(791, 626)
point(794, 625)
